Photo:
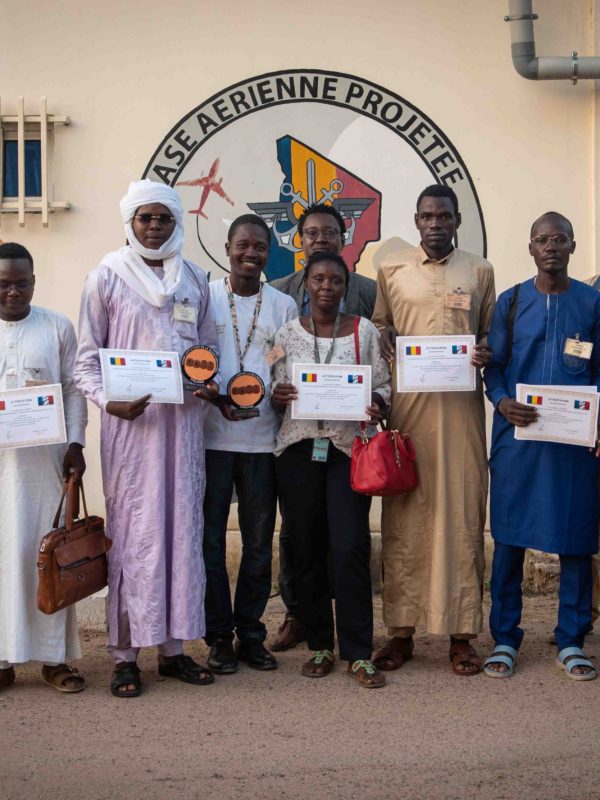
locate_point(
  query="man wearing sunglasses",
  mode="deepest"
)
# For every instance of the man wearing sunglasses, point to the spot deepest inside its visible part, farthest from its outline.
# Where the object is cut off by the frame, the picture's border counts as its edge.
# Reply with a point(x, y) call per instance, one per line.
point(146, 296)
point(321, 228)
point(544, 495)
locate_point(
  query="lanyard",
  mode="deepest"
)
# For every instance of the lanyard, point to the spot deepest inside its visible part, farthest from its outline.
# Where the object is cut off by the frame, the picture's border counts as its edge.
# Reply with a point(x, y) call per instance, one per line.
point(234, 322)
point(336, 327)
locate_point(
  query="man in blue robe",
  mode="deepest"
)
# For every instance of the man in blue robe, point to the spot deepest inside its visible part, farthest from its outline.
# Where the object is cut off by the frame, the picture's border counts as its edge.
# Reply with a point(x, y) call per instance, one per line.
point(544, 495)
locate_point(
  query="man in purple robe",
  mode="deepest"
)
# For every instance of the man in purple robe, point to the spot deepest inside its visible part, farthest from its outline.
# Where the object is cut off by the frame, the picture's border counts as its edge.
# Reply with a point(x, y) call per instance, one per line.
point(145, 296)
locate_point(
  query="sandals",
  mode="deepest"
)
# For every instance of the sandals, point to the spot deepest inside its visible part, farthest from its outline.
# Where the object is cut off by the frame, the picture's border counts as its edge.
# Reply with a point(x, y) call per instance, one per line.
point(571, 657)
point(320, 665)
point(124, 673)
point(185, 669)
point(462, 652)
point(7, 677)
point(501, 654)
point(394, 654)
point(364, 672)
point(63, 678)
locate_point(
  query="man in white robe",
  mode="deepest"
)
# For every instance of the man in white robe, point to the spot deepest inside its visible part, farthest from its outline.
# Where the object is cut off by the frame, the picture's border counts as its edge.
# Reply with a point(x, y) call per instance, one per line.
point(37, 346)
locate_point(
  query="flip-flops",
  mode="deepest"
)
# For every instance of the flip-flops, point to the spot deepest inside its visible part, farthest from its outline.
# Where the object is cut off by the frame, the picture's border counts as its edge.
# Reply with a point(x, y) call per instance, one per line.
point(570, 657)
point(501, 654)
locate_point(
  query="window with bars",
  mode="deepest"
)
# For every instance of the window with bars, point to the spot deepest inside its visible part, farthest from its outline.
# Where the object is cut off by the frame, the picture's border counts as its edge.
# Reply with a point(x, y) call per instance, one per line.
point(26, 145)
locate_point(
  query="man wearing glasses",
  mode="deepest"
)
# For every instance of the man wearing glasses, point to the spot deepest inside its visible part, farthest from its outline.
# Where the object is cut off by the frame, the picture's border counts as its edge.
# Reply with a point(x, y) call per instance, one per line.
point(321, 228)
point(544, 495)
point(37, 347)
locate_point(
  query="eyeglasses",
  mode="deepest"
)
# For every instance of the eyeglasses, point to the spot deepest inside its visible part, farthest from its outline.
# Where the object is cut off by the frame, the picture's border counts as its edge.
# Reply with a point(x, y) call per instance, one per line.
point(326, 233)
point(560, 240)
point(162, 219)
point(20, 286)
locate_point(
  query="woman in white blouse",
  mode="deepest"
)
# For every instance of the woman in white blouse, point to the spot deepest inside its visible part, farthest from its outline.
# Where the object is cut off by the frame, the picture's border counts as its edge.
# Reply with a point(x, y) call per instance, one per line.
point(328, 523)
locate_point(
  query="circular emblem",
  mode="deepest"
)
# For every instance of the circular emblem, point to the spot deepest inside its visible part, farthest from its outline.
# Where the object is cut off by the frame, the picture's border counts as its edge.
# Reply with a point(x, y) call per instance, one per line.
point(275, 143)
point(199, 364)
point(246, 389)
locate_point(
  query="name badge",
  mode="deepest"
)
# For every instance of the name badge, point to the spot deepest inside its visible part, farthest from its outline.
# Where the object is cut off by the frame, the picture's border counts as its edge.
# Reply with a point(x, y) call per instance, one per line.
point(185, 313)
point(574, 347)
point(458, 299)
point(275, 354)
point(320, 450)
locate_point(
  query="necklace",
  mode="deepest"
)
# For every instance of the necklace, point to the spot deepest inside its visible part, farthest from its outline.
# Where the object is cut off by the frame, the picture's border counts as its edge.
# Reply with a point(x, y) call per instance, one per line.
point(234, 322)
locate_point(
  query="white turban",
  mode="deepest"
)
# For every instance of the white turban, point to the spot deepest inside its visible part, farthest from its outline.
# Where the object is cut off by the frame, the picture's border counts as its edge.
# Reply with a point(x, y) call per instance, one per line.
point(128, 262)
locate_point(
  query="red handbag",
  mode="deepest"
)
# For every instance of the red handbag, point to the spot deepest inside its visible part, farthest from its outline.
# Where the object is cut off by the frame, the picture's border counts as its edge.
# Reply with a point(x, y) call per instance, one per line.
point(384, 464)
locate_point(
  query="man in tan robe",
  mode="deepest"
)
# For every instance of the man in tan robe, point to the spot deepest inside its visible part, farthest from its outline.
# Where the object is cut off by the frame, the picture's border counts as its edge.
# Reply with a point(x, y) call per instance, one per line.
point(432, 538)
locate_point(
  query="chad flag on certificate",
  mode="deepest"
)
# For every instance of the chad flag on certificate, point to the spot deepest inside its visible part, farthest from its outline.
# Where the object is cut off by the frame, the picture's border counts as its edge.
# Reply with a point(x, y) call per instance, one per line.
point(355, 378)
point(47, 400)
point(413, 350)
point(534, 399)
point(163, 362)
point(459, 349)
point(309, 377)
point(117, 362)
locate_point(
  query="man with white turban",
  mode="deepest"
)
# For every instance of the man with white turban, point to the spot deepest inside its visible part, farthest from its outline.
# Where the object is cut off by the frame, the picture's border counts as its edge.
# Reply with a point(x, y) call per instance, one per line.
point(152, 454)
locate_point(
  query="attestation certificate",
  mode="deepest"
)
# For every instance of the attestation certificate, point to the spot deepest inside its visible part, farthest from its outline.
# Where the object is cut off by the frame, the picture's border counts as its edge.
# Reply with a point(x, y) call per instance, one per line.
point(129, 374)
point(435, 364)
point(567, 414)
point(33, 416)
point(331, 391)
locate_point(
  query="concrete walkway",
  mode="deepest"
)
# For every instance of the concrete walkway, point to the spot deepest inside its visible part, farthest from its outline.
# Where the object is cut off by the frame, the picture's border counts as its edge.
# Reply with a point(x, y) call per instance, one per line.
point(428, 734)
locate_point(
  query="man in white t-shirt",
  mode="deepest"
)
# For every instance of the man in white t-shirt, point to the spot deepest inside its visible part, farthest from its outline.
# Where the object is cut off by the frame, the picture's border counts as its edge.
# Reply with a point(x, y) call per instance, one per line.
point(239, 452)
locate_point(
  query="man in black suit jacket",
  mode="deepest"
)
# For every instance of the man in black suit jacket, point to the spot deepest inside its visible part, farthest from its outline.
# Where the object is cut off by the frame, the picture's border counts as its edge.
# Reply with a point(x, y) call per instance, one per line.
point(321, 229)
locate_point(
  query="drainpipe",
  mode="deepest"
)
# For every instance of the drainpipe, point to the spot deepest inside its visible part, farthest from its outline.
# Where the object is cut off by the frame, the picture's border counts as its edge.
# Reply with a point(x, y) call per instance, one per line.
point(525, 61)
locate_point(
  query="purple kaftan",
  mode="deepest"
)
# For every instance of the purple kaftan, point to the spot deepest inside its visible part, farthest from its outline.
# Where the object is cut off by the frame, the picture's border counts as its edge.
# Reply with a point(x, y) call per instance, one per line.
point(152, 467)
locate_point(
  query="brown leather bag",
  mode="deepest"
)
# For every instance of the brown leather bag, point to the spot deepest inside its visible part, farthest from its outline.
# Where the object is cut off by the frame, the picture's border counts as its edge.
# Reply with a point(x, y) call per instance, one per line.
point(72, 560)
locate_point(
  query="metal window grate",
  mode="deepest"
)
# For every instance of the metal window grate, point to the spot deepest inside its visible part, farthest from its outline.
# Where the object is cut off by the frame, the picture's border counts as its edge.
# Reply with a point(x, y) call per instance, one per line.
point(25, 129)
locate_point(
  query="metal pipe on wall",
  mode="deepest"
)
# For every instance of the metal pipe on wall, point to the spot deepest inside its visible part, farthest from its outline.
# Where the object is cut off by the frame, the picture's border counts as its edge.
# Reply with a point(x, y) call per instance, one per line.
point(525, 61)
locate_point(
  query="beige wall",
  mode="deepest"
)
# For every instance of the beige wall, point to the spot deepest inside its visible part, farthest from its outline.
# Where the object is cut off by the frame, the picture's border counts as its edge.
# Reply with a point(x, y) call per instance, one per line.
point(126, 72)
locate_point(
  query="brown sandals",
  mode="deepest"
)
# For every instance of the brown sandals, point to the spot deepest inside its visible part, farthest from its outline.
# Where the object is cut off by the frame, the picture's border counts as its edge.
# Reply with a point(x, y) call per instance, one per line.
point(394, 654)
point(462, 652)
point(63, 678)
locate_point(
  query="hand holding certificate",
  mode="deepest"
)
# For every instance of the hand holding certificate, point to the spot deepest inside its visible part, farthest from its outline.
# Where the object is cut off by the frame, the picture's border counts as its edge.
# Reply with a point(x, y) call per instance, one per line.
point(566, 414)
point(32, 416)
point(332, 391)
point(131, 374)
point(435, 363)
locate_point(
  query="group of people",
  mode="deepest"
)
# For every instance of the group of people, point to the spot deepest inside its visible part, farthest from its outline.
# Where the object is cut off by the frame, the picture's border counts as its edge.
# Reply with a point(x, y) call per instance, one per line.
point(170, 470)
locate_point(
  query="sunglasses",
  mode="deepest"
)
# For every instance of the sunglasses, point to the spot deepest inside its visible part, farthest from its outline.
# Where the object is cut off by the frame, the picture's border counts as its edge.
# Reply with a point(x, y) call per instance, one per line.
point(162, 219)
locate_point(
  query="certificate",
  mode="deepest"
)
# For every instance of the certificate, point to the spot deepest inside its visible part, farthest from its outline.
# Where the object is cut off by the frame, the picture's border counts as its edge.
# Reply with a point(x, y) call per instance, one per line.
point(567, 414)
point(434, 364)
point(332, 391)
point(33, 416)
point(129, 374)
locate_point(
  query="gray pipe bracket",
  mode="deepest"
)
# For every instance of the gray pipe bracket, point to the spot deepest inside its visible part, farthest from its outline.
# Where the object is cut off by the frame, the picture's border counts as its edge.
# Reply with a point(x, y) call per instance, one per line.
point(575, 67)
point(517, 17)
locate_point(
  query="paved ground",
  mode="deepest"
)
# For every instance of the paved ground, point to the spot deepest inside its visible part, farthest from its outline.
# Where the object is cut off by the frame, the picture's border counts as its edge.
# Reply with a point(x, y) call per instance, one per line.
point(428, 734)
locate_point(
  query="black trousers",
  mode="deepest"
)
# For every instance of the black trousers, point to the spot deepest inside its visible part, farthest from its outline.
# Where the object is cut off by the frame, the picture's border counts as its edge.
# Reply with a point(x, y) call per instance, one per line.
point(253, 475)
point(328, 526)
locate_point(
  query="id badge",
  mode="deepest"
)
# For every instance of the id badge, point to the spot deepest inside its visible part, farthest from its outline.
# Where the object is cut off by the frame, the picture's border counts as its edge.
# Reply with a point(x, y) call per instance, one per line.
point(458, 299)
point(185, 313)
point(575, 347)
point(320, 450)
